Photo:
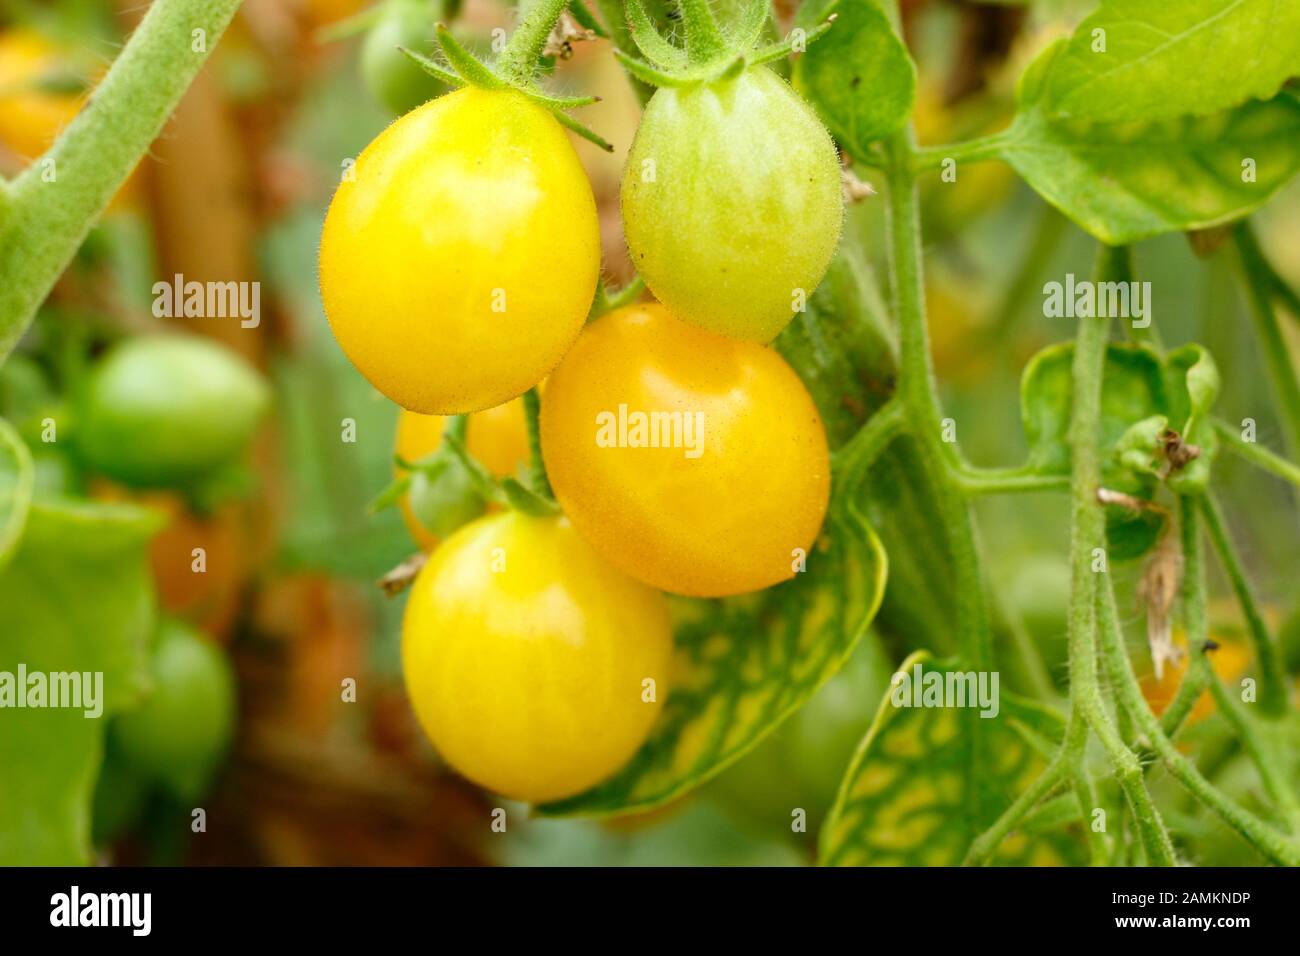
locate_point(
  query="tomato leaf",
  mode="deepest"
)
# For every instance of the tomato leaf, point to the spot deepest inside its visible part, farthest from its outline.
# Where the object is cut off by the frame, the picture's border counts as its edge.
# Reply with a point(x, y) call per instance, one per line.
point(76, 598)
point(744, 664)
point(927, 780)
point(1123, 182)
point(859, 75)
point(1138, 60)
point(1133, 390)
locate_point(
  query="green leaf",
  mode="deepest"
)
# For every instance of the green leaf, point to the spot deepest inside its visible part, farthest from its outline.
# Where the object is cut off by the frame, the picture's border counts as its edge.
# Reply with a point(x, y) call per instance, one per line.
point(859, 76)
point(17, 477)
point(1193, 385)
point(1123, 182)
point(927, 780)
point(1164, 60)
point(744, 664)
point(77, 597)
point(1133, 390)
point(843, 349)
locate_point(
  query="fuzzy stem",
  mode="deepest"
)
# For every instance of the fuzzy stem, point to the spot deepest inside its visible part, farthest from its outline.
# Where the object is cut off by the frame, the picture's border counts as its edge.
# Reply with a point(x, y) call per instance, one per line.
point(919, 395)
point(1259, 291)
point(1277, 847)
point(518, 61)
point(46, 221)
point(1272, 674)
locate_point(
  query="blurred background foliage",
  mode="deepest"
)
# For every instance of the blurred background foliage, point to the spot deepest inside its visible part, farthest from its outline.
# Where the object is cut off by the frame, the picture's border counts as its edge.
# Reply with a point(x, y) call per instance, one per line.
point(237, 188)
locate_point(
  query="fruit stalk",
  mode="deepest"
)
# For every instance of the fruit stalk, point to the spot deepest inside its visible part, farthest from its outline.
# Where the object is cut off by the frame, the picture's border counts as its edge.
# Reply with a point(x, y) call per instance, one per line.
point(54, 202)
point(519, 59)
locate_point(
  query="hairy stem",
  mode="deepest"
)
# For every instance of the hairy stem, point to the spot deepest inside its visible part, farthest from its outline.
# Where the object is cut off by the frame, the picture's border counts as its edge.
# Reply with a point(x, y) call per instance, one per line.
point(1257, 454)
point(920, 399)
point(518, 61)
point(1272, 675)
point(1275, 846)
point(56, 200)
point(1087, 535)
point(1260, 290)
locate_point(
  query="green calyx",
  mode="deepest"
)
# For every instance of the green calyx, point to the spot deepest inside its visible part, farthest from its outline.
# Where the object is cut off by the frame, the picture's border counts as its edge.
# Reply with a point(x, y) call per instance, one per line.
point(710, 52)
point(515, 69)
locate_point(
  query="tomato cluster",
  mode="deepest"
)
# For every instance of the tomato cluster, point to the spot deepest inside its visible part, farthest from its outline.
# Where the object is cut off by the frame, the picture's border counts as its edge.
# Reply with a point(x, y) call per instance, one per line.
point(459, 264)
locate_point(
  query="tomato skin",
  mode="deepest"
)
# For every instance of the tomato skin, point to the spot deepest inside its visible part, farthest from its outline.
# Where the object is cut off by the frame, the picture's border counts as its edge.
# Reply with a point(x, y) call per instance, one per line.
point(724, 522)
point(497, 437)
point(390, 76)
point(745, 204)
point(181, 731)
point(164, 410)
point(460, 263)
point(527, 674)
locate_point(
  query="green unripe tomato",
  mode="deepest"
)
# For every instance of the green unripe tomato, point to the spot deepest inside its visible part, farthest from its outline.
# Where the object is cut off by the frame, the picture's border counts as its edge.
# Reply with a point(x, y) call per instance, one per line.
point(446, 502)
point(165, 410)
point(390, 76)
point(731, 203)
point(179, 734)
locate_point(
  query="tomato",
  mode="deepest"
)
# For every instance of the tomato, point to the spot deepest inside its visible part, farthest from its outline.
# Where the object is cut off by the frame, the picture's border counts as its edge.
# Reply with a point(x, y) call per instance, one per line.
point(525, 655)
point(167, 409)
point(731, 203)
point(722, 504)
point(31, 117)
point(183, 728)
point(497, 437)
point(390, 76)
point(459, 264)
point(1229, 662)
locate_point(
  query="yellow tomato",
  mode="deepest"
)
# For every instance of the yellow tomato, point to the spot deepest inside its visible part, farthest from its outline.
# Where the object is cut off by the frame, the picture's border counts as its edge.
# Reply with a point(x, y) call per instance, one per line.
point(1228, 661)
point(693, 462)
point(459, 262)
point(30, 118)
point(527, 658)
point(497, 437)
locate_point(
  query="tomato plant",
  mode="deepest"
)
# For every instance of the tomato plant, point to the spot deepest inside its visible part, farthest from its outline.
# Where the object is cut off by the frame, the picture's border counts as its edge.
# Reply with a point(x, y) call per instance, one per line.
point(852, 402)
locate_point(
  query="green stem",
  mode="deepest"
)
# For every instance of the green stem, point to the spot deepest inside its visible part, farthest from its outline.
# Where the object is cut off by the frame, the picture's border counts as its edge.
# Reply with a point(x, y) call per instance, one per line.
point(1272, 673)
point(855, 456)
point(704, 40)
point(1087, 534)
point(612, 13)
point(971, 151)
point(47, 220)
point(518, 61)
point(985, 845)
point(919, 395)
point(1277, 847)
point(1257, 454)
point(975, 481)
point(537, 479)
point(1259, 290)
point(1272, 765)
